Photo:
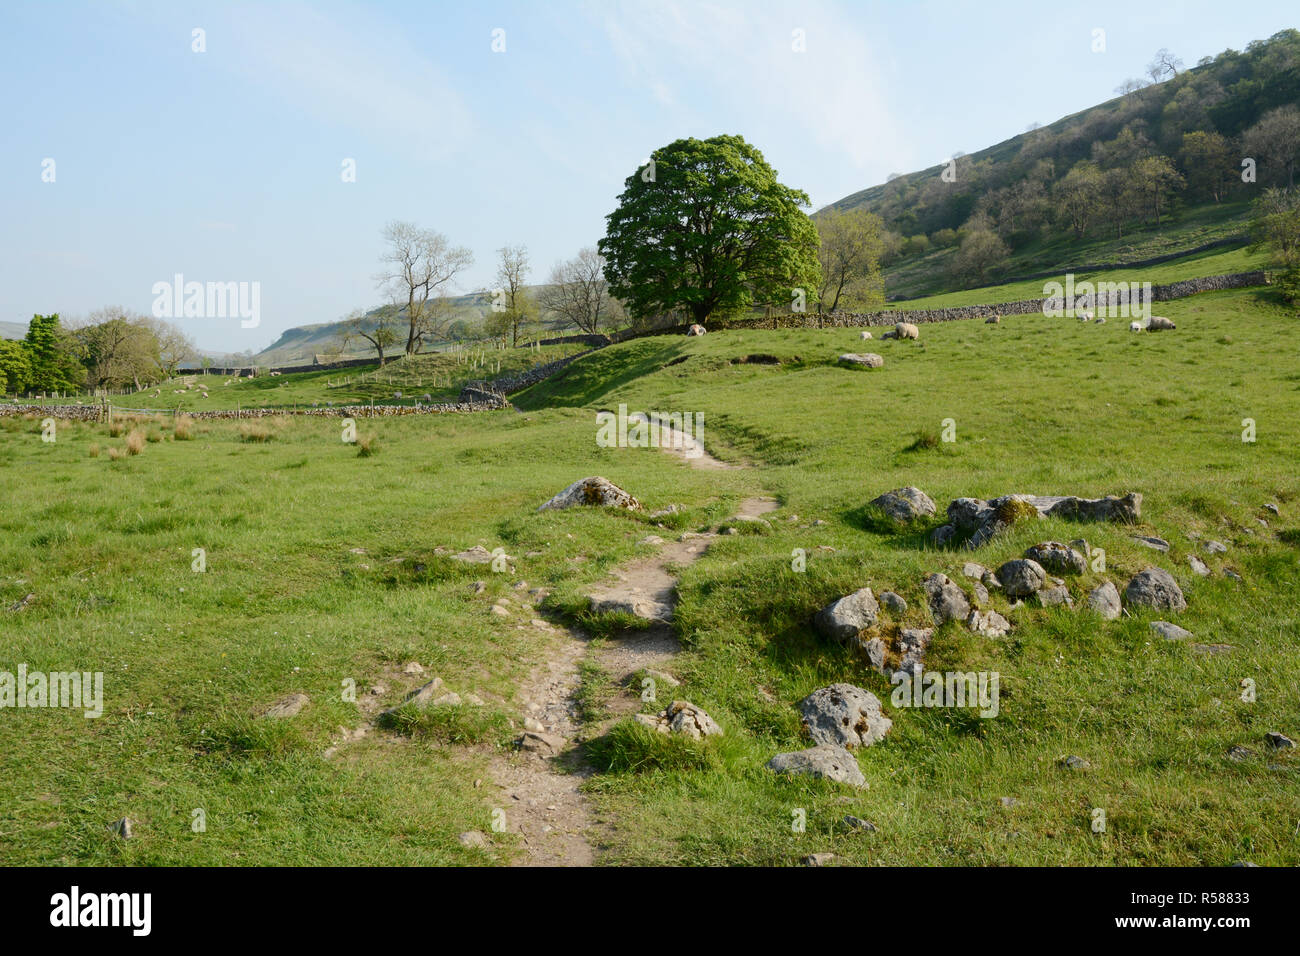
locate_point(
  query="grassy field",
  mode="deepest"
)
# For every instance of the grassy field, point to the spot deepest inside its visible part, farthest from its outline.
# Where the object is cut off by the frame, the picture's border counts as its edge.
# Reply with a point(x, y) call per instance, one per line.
point(1044, 406)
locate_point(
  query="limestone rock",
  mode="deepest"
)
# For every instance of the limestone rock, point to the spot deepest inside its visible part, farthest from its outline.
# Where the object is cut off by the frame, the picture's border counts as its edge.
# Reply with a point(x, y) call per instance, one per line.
point(844, 618)
point(905, 504)
point(541, 743)
point(896, 603)
point(1055, 596)
point(1170, 632)
point(1156, 588)
point(1198, 566)
point(1155, 544)
point(844, 715)
point(596, 491)
point(1022, 577)
point(1104, 599)
point(947, 601)
point(912, 645)
point(681, 717)
point(1057, 557)
point(824, 762)
point(988, 623)
point(863, 359)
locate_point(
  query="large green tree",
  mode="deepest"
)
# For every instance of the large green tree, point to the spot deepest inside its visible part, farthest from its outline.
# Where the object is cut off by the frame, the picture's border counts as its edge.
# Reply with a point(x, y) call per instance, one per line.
point(54, 355)
point(15, 369)
point(705, 228)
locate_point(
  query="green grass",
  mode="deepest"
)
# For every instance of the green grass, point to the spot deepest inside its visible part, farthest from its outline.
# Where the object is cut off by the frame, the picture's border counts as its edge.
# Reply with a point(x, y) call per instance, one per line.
point(1040, 405)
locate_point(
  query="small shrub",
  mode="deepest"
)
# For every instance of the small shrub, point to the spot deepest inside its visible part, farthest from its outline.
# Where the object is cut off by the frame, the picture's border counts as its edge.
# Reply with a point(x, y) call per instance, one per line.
point(367, 446)
point(115, 430)
point(154, 437)
point(182, 431)
point(135, 442)
point(94, 451)
point(115, 454)
point(925, 441)
point(631, 747)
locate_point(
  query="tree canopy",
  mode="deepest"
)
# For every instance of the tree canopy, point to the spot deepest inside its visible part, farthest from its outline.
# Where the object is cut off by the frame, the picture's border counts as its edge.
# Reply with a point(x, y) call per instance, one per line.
point(706, 229)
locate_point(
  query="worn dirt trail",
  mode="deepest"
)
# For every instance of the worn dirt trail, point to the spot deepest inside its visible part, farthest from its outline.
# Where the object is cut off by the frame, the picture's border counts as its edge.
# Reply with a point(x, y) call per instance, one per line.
point(541, 783)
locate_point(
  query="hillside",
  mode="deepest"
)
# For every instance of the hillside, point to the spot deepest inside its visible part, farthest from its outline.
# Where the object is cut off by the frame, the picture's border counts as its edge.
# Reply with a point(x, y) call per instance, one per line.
point(1072, 193)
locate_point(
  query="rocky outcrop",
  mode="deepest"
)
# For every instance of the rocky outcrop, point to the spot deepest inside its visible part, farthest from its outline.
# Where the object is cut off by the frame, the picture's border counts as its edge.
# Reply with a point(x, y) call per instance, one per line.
point(844, 618)
point(976, 521)
point(681, 717)
point(1057, 557)
point(862, 359)
point(595, 491)
point(905, 504)
point(1022, 577)
point(947, 601)
point(1155, 588)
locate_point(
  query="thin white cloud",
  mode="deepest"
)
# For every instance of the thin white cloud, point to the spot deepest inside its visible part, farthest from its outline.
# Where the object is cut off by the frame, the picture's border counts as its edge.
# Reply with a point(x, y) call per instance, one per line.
point(830, 96)
point(355, 68)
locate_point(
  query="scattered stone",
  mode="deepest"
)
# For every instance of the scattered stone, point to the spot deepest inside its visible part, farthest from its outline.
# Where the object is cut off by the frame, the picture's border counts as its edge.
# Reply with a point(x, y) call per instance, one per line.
point(1156, 588)
point(947, 601)
point(636, 604)
point(1074, 762)
point(681, 717)
point(662, 677)
point(895, 602)
point(449, 699)
point(412, 667)
point(286, 706)
point(422, 697)
point(473, 838)
point(597, 491)
point(912, 645)
point(818, 859)
point(1155, 544)
point(1022, 577)
point(990, 581)
point(1269, 506)
point(500, 611)
point(988, 624)
point(541, 743)
point(19, 605)
point(1104, 599)
point(665, 512)
point(844, 618)
point(844, 715)
point(972, 570)
point(823, 762)
point(905, 504)
point(1008, 801)
point(1057, 557)
point(535, 725)
point(1170, 632)
point(863, 359)
point(476, 555)
point(1229, 572)
point(981, 593)
point(1198, 566)
point(652, 539)
point(1278, 741)
point(858, 825)
point(480, 587)
point(1055, 596)
point(124, 828)
point(982, 520)
point(1238, 754)
point(1243, 863)
point(1212, 648)
point(1215, 547)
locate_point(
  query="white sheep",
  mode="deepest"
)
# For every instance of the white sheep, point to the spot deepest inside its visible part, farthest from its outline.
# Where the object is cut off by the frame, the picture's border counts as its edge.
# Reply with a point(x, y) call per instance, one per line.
point(865, 335)
point(906, 330)
point(1159, 323)
point(1135, 326)
point(696, 329)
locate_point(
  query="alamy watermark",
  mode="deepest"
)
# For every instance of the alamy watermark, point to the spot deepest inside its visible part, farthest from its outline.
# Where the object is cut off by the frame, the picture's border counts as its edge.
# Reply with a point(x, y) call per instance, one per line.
point(680, 430)
point(947, 689)
point(1110, 299)
point(73, 689)
point(179, 299)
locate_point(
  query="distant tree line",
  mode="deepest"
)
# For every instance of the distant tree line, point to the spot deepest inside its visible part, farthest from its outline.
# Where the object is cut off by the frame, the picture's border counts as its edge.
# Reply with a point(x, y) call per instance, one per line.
point(111, 349)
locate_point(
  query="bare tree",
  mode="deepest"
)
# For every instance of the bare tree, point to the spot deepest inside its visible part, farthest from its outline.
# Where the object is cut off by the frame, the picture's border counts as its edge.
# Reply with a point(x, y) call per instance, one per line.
point(420, 265)
point(379, 328)
point(174, 347)
point(510, 298)
point(1130, 85)
point(1164, 66)
point(578, 293)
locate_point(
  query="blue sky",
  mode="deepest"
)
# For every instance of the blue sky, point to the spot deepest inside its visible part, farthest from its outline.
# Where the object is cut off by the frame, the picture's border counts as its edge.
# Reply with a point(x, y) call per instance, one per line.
point(225, 165)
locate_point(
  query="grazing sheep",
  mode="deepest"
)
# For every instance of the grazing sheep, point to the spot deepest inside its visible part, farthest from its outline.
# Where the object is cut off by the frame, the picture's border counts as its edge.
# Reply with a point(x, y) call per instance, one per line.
point(891, 334)
point(865, 335)
point(1085, 316)
point(1101, 320)
point(1159, 322)
point(906, 330)
point(993, 320)
point(1135, 326)
point(696, 329)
